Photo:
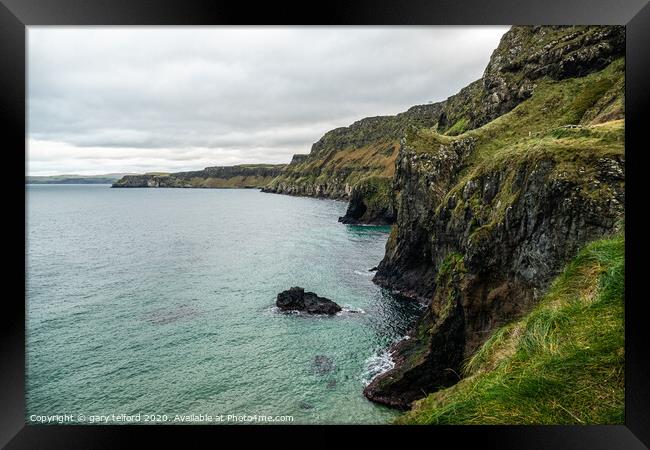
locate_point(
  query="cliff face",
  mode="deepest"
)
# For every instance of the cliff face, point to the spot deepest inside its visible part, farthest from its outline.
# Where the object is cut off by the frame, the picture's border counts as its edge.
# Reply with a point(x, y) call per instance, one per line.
point(524, 56)
point(487, 216)
point(371, 201)
point(241, 176)
point(345, 156)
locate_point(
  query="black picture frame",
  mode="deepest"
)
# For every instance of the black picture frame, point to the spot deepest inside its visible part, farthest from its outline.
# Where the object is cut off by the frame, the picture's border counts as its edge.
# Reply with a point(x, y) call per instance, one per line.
point(16, 15)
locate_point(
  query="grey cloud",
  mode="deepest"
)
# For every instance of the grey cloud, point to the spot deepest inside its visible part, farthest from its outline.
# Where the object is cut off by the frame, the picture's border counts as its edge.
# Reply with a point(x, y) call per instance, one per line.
point(231, 93)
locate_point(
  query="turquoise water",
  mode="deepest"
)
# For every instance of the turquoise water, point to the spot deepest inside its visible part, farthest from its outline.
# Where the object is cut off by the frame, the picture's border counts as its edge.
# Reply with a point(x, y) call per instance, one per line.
point(160, 301)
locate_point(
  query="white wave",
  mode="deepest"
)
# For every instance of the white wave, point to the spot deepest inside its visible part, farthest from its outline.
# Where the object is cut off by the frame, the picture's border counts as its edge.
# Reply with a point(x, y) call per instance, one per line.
point(364, 274)
point(376, 365)
point(275, 310)
point(347, 309)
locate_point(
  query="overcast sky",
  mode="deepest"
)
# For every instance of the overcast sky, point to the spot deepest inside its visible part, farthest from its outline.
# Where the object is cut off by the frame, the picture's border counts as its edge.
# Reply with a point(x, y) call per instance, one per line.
point(112, 99)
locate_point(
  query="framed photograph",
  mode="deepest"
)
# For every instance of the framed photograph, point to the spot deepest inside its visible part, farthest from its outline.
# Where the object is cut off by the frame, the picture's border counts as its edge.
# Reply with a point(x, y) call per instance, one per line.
point(371, 217)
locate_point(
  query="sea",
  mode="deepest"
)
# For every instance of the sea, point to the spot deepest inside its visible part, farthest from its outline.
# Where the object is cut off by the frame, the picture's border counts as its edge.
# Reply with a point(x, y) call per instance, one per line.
point(150, 305)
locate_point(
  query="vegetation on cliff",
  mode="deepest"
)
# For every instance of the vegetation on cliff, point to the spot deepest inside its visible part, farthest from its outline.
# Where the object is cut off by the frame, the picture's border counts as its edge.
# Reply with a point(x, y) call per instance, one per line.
point(514, 199)
point(560, 364)
point(345, 156)
point(559, 125)
point(524, 56)
point(240, 176)
point(334, 172)
point(371, 201)
point(526, 59)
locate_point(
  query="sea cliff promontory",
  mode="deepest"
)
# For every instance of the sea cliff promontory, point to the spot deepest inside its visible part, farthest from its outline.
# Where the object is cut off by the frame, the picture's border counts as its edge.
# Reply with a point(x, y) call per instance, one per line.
point(239, 176)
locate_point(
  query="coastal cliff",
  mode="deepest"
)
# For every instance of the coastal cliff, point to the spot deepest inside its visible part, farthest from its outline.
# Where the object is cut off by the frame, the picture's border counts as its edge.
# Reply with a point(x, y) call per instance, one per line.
point(240, 176)
point(493, 201)
point(356, 163)
point(350, 162)
point(490, 193)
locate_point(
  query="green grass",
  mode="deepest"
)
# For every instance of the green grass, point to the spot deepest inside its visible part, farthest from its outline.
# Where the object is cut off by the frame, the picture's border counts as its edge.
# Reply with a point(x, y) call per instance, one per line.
point(453, 262)
point(377, 191)
point(554, 125)
point(459, 127)
point(554, 104)
point(563, 363)
point(346, 166)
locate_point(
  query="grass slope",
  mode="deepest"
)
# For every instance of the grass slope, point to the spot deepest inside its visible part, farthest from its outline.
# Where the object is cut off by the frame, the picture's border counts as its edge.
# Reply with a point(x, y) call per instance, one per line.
point(535, 128)
point(563, 363)
point(344, 166)
point(572, 122)
point(233, 182)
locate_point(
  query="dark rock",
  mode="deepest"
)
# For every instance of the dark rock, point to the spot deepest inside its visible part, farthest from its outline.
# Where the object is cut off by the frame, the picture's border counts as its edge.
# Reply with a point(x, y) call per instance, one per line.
point(296, 299)
point(431, 359)
point(374, 269)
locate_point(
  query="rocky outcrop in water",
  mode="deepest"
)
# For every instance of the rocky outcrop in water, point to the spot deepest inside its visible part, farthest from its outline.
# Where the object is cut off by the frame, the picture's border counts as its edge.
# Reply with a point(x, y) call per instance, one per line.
point(241, 176)
point(296, 299)
point(485, 220)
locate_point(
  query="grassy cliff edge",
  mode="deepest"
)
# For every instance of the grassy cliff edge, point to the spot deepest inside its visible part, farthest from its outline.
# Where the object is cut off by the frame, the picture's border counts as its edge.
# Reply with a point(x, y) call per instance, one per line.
point(563, 363)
